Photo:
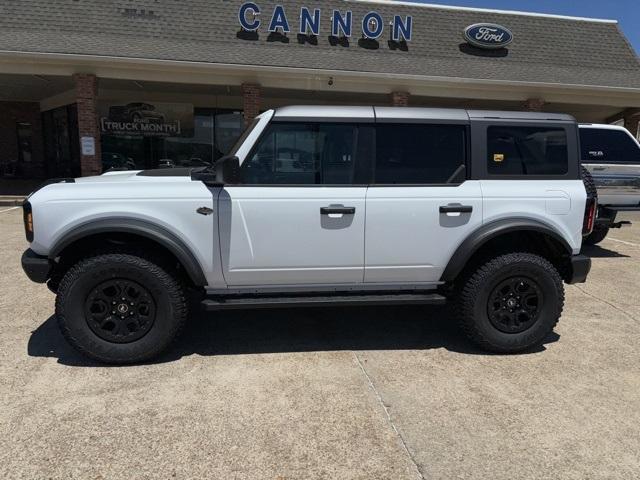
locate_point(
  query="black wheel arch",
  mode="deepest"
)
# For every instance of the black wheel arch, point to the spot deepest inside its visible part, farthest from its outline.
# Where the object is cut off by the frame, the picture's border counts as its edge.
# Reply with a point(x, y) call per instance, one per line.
point(484, 235)
point(141, 228)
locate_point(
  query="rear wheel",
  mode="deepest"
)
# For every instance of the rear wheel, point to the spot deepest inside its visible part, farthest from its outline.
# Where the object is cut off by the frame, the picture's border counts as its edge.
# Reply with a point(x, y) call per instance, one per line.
point(120, 308)
point(510, 303)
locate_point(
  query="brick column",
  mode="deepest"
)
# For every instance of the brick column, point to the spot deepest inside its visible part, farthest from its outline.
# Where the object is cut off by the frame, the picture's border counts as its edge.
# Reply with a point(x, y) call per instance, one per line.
point(86, 100)
point(533, 105)
point(251, 98)
point(400, 99)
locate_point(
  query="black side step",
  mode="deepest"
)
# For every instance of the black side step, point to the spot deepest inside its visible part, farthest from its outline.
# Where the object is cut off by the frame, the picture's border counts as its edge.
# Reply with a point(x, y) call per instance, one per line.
point(236, 303)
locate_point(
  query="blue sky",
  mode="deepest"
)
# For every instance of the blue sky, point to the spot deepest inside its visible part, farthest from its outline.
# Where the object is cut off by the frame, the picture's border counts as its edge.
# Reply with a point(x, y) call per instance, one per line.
point(627, 12)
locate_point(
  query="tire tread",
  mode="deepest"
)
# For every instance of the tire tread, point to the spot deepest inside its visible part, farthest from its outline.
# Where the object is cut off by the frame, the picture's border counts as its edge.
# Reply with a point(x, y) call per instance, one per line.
point(174, 289)
point(472, 284)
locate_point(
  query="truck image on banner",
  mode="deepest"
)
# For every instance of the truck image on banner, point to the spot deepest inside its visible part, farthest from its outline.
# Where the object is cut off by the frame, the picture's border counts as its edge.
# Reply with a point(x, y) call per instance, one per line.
point(146, 119)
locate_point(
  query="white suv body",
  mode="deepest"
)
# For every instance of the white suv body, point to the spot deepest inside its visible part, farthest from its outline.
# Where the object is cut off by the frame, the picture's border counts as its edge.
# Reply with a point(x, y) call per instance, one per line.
point(332, 201)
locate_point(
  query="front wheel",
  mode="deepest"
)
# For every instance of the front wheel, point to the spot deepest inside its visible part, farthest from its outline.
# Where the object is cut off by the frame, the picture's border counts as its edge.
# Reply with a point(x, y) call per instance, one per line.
point(120, 308)
point(511, 303)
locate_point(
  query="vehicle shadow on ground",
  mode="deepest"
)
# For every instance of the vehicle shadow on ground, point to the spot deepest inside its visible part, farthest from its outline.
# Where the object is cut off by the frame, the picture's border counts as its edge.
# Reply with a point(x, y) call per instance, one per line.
point(296, 330)
point(596, 251)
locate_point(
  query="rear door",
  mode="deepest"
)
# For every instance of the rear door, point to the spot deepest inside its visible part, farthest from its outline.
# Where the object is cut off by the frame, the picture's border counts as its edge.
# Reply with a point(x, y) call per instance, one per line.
point(612, 156)
point(298, 217)
point(420, 206)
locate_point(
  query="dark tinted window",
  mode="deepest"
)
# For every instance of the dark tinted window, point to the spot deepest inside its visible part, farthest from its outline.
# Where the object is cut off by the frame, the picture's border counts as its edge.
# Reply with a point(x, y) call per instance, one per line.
point(527, 151)
point(419, 154)
point(302, 154)
point(608, 146)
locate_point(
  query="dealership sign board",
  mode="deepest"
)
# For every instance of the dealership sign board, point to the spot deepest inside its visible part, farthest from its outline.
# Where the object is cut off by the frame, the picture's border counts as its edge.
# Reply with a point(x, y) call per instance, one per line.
point(342, 23)
point(143, 119)
point(488, 35)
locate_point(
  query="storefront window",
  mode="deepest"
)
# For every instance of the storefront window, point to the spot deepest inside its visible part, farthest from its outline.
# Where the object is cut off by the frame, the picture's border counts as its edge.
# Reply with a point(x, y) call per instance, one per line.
point(25, 138)
point(200, 142)
point(62, 146)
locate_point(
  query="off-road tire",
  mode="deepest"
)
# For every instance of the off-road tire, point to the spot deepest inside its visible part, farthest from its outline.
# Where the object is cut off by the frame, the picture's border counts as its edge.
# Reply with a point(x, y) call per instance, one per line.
point(472, 301)
point(596, 236)
point(165, 289)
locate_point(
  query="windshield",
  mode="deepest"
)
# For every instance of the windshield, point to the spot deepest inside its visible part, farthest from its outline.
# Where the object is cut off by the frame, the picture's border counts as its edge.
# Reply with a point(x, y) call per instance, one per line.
point(243, 137)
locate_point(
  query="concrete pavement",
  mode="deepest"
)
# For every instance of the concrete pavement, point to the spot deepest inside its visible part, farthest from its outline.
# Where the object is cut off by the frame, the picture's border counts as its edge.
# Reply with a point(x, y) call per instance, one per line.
point(378, 393)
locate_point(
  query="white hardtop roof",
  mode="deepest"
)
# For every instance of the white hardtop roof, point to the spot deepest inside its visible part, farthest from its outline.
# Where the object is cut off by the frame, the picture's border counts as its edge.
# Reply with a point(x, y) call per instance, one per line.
point(602, 125)
point(370, 114)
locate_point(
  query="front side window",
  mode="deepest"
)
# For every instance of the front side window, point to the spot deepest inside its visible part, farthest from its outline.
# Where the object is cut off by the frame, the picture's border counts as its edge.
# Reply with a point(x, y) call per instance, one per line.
point(527, 151)
point(419, 154)
point(600, 145)
point(302, 154)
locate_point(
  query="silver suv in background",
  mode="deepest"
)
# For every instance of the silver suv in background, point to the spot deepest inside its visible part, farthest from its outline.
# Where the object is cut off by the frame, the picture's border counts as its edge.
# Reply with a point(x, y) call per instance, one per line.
point(612, 156)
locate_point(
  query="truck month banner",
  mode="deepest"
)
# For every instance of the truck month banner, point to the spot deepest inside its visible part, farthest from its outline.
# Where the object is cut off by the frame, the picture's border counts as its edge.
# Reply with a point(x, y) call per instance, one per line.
point(146, 119)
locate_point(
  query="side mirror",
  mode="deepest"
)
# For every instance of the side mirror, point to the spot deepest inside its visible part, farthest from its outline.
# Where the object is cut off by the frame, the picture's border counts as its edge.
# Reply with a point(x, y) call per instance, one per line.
point(226, 171)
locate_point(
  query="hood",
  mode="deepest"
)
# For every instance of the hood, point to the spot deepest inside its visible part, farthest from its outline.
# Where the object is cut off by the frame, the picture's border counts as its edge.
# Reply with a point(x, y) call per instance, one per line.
point(117, 176)
point(125, 176)
point(139, 175)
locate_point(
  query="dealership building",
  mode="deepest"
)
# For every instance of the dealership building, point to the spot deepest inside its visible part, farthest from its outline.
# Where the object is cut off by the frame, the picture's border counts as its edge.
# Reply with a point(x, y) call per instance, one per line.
point(87, 85)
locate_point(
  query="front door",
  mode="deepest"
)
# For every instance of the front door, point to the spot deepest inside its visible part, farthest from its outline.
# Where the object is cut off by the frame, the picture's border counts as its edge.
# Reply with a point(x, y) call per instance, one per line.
point(419, 208)
point(298, 217)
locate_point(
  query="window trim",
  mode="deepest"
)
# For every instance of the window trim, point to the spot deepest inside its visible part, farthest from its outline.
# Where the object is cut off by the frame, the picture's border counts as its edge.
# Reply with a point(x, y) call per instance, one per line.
point(358, 171)
point(592, 161)
point(479, 139)
point(466, 138)
point(526, 175)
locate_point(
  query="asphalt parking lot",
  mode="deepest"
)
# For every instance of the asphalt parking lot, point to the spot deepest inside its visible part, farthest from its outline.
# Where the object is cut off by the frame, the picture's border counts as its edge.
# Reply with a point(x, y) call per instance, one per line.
point(337, 393)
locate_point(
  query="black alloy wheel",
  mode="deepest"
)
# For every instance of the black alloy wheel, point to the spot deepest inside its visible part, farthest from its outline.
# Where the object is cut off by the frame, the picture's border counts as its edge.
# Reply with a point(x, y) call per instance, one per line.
point(120, 310)
point(514, 304)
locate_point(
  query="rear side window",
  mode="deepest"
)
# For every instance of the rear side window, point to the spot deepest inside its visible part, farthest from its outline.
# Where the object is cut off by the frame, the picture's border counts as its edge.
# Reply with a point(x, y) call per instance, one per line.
point(419, 154)
point(527, 151)
point(599, 145)
point(303, 154)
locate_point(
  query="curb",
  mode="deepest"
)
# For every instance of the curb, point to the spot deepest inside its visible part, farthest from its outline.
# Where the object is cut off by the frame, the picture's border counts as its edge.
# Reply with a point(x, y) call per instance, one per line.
point(11, 202)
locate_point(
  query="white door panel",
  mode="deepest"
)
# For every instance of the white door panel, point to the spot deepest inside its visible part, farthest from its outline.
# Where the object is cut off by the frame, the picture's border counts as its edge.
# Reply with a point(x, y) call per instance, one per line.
point(408, 239)
point(278, 236)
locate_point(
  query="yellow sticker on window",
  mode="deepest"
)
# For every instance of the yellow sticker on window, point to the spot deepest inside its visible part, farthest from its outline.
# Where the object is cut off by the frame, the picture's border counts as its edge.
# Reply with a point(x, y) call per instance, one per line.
point(498, 157)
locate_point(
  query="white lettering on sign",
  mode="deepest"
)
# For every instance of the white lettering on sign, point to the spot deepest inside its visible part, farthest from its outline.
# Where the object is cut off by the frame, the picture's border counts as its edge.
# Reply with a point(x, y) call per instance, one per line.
point(489, 35)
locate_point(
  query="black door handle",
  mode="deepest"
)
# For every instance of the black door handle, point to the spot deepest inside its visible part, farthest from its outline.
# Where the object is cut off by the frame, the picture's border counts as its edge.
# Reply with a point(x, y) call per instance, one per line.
point(456, 209)
point(337, 210)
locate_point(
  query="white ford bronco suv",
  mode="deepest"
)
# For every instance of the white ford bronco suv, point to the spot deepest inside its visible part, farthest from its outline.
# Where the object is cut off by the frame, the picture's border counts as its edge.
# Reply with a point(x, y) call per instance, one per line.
point(320, 206)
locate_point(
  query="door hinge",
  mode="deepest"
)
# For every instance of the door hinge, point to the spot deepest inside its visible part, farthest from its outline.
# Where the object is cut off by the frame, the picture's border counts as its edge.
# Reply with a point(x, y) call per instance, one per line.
point(204, 211)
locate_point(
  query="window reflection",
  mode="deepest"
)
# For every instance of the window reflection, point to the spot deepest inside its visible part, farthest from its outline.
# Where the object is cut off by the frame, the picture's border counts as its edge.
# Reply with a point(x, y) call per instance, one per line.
point(214, 133)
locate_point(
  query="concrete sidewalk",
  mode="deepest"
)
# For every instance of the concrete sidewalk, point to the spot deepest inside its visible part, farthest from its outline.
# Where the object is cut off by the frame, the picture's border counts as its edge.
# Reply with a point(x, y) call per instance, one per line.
point(382, 393)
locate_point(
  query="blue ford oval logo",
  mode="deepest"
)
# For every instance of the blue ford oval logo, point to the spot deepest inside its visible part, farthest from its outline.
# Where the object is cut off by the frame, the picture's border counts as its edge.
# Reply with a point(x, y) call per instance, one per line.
point(488, 35)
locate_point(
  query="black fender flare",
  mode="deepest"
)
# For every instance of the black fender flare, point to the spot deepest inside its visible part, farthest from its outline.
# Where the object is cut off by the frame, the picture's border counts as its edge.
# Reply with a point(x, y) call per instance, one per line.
point(137, 227)
point(482, 235)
